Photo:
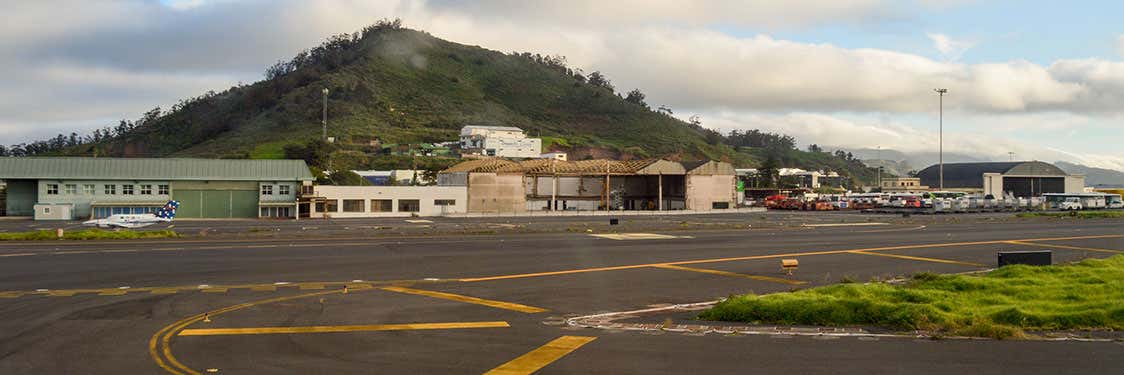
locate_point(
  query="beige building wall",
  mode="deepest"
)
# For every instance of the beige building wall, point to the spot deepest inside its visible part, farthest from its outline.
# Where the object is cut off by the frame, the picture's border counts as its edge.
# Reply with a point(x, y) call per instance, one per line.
point(704, 190)
point(431, 200)
point(496, 193)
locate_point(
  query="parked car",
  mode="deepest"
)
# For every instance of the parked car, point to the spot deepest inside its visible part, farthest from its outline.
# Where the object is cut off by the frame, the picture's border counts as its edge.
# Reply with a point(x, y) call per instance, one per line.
point(1070, 204)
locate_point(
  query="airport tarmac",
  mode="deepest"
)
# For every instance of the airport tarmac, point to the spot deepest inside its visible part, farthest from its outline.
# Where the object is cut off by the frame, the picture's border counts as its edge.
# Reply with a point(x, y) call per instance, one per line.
point(490, 302)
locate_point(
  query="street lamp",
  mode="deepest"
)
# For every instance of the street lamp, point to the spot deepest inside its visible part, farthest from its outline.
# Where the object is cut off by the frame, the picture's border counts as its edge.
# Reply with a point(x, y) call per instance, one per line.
point(941, 92)
point(324, 118)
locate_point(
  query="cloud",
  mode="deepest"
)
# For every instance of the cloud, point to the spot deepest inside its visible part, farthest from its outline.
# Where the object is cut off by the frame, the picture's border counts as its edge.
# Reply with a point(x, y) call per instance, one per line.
point(1120, 45)
point(951, 49)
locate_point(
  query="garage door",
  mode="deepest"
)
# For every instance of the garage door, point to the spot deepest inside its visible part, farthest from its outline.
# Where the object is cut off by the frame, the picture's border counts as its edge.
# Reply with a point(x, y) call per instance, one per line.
point(216, 203)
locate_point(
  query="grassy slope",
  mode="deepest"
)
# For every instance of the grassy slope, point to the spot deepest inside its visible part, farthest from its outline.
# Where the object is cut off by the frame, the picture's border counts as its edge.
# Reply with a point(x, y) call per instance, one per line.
point(1085, 295)
point(405, 86)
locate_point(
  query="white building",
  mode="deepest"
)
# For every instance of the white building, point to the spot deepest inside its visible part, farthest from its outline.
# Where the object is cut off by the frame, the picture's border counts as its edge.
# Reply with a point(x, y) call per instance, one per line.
point(555, 155)
point(501, 141)
point(388, 201)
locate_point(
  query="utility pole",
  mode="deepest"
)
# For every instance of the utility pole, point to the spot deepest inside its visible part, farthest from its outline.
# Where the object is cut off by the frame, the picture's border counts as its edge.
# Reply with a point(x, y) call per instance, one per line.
point(324, 117)
point(879, 168)
point(941, 92)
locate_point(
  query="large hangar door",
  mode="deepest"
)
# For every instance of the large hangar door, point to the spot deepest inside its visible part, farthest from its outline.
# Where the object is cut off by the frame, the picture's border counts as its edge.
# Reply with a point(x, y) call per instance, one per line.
point(1024, 187)
point(216, 200)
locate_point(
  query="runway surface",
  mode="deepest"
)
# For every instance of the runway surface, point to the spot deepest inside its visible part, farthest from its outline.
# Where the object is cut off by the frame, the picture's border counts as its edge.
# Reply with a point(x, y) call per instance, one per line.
point(477, 303)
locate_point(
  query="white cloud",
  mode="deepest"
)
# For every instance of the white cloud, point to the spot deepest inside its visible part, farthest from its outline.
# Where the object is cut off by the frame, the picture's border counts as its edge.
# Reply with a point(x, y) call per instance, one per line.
point(1120, 45)
point(950, 48)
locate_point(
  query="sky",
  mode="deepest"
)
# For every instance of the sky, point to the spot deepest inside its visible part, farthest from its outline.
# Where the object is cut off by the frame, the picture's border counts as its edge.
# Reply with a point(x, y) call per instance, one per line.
point(1041, 79)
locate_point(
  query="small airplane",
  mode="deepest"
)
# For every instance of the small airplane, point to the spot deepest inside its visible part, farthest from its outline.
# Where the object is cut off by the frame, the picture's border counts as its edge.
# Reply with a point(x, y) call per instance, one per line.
point(162, 215)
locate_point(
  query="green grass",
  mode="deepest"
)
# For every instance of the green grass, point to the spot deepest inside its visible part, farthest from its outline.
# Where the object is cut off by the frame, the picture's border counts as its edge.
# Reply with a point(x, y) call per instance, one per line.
point(87, 234)
point(269, 150)
point(1000, 304)
point(1077, 214)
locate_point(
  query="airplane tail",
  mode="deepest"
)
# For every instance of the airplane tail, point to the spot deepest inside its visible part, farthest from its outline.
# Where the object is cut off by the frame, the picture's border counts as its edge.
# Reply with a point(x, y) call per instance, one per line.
point(168, 211)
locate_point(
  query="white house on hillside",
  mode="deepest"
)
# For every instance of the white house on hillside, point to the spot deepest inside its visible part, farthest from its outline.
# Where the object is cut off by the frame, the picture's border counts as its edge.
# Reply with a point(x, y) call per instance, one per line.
point(501, 141)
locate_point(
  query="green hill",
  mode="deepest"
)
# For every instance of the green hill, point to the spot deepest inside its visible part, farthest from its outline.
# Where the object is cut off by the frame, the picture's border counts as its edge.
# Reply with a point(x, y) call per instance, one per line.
point(399, 86)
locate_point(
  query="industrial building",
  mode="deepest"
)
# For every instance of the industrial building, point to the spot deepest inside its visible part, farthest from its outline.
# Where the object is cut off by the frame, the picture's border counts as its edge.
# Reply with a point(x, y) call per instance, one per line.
point(902, 185)
point(386, 201)
point(498, 141)
point(1021, 179)
point(503, 186)
point(67, 188)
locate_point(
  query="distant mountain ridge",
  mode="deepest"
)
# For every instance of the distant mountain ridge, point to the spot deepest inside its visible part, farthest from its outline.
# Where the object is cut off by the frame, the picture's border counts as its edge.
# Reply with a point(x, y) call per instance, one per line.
point(1094, 176)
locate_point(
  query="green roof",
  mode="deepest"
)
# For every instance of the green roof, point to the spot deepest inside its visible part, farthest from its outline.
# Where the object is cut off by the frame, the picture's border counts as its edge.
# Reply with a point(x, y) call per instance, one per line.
point(152, 169)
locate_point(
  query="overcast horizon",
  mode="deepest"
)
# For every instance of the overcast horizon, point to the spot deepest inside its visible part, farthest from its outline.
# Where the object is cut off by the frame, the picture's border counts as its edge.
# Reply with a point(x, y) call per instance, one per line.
point(1043, 80)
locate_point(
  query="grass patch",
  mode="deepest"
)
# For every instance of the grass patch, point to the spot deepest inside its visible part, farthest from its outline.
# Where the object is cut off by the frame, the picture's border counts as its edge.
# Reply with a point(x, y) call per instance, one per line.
point(88, 234)
point(1077, 214)
point(1000, 304)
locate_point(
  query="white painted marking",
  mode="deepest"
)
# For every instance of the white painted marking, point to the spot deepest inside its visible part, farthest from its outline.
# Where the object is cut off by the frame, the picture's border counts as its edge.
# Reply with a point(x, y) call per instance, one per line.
point(356, 281)
point(431, 279)
point(281, 283)
point(418, 221)
point(634, 236)
point(124, 287)
point(844, 225)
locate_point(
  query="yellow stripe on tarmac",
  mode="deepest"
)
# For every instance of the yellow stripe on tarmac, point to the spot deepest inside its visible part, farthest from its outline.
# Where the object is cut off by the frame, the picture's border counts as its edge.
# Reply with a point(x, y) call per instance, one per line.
point(1065, 247)
point(263, 288)
point(10, 294)
point(164, 291)
point(113, 292)
point(732, 274)
point(923, 259)
point(213, 290)
point(309, 286)
point(61, 293)
point(337, 329)
point(537, 359)
point(467, 299)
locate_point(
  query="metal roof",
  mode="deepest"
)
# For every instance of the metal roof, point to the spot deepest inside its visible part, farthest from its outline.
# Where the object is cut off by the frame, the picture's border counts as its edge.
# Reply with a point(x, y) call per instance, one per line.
point(583, 167)
point(152, 169)
point(970, 175)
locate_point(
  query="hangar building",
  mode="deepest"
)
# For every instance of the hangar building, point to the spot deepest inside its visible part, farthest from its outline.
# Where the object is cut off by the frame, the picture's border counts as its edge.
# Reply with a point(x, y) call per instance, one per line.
point(1021, 178)
point(68, 188)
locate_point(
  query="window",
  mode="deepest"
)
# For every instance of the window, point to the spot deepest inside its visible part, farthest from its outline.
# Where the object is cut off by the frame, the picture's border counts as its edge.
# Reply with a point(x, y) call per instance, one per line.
point(146, 189)
point(409, 205)
point(88, 189)
point(382, 205)
point(71, 189)
point(283, 189)
point(719, 205)
point(127, 189)
point(267, 190)
point(52, 189)
point(444, 202)
point(110, 189)
point(275, 212)
point(46, 210)
point(327, 206)
point(162, 189)
point(353, 205)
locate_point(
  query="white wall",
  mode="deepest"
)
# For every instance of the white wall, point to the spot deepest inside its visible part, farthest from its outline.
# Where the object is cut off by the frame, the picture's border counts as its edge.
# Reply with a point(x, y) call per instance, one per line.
point(1074, 184)
point(426, 195)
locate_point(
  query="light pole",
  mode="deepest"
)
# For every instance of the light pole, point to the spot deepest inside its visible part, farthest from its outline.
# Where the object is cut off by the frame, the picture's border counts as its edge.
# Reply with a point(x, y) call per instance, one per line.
point(940, 138)
point(879, 168)
point(324, 118)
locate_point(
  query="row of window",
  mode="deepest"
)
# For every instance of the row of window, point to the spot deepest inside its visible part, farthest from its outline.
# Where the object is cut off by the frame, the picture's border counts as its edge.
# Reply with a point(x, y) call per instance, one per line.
point(379, 205)
point(101, 212)
point(109, 189)
point(281, 190)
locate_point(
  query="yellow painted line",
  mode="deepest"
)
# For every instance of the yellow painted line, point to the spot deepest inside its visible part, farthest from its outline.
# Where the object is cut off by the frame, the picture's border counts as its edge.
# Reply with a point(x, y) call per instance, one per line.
point(537, 359)
point(467, 299)
point(10, 294)
point(337, 329)
point(634, 236)
point(113, 292)
point(164, 291)
point(61, 293)
point(732, 274)
point(359, 286)
point(263, 288)
point(214, 290)
point(772, 256)
point(159, 346)
point(923, 259)
point(16, 255)
point(1065, 247)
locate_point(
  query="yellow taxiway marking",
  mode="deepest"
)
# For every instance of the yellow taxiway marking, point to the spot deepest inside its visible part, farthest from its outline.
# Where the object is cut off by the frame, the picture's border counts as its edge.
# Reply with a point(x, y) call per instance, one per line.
point(923, 259)
point(773, 256)
point(113, 292)
point(732, 274)
point(634, 236)
point(264, 288)
point(467, 299)
point(336, 329)
point(61, 293)
point(10, 294)
point(213, 290)
point(165, 291)
point(1065, 247)
point(537, 359)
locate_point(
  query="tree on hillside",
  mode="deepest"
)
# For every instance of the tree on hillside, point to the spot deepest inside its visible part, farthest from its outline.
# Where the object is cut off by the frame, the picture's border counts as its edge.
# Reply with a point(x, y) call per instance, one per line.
point(664, 110)
point(814, 148)
point(636, 97)
point(599, 80)
point(769, 172)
